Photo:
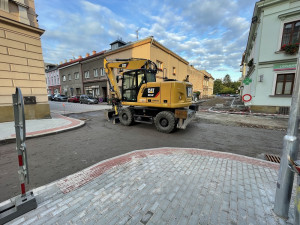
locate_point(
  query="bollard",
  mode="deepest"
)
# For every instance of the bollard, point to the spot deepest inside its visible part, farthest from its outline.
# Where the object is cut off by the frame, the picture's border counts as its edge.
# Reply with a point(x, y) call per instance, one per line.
point(26, 201)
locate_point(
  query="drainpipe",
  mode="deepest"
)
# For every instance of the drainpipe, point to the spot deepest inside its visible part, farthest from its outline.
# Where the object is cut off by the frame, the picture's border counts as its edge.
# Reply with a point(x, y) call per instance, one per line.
point(82, 86)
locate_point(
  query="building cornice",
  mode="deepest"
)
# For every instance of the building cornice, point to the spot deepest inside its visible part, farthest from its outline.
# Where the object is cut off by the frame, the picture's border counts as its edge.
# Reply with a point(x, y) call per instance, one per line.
point(72, 64)
point(143, 42)
point(21, 25)
point(278, 61)
point(289, 14)
point(20, 4)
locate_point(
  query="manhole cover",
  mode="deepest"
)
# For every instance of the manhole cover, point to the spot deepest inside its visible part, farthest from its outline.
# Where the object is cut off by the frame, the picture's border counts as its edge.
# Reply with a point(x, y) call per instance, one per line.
point(272, 158)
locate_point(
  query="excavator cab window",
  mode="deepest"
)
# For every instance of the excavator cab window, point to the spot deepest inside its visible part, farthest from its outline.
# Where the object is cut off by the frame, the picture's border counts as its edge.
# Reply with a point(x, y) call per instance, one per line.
point(129, 87)
point(132, 82)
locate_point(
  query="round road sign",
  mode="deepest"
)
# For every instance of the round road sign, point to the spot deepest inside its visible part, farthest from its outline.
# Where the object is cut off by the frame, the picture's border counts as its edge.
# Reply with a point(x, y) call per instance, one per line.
point(247, 98)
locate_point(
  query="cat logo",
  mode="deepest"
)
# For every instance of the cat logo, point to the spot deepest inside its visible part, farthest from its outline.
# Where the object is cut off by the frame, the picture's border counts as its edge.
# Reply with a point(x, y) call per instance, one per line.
point(150, 90)
point(123, 65)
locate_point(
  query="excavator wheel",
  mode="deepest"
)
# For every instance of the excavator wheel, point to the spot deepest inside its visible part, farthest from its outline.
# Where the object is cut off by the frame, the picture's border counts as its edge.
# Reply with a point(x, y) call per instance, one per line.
point(165, 122)
point(126, 116)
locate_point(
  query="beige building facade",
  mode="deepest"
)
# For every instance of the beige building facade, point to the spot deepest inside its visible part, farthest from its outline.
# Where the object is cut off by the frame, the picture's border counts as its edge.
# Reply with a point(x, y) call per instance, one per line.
point(21, 59)
point(202, 81)
point(170, 65)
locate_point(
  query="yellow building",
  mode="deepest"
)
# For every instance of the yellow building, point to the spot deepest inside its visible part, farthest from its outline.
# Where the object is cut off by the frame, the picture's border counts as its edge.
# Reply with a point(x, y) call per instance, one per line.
point(169, 64)
point(208, 84)
point(202, 81)
point(21, 59)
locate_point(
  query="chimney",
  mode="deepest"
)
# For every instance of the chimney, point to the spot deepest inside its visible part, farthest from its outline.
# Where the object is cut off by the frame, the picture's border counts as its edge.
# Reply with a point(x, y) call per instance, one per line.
point(94, 52)
point(80, 57)
point(70, 60)
point(65, 60)
point(60, 62)
point(87, 55)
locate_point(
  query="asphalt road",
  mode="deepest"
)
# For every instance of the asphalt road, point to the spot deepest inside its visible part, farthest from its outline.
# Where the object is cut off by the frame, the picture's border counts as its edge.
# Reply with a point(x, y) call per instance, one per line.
point(56, 156)
point(70, 107)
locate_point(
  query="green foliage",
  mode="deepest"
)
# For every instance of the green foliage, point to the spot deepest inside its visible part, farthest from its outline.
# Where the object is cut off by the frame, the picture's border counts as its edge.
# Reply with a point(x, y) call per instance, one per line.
point(217, 86)
point(226, 86)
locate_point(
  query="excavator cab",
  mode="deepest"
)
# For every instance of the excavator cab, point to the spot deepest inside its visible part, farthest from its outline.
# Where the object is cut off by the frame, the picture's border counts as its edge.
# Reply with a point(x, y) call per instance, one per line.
point(133, 81)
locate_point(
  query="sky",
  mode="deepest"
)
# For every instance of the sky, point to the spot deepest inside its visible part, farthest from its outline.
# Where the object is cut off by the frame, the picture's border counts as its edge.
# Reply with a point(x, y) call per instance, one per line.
point(210, 34)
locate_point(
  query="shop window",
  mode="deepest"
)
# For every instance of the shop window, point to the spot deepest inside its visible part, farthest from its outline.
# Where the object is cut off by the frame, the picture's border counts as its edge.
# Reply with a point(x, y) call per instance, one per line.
point(291, 33)
point(284, 84)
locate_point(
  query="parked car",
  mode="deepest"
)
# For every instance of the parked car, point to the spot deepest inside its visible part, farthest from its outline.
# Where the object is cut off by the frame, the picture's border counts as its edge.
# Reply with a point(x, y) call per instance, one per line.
point(50, 97)
point(88, 99)
point(74, 99)
point(60, 98)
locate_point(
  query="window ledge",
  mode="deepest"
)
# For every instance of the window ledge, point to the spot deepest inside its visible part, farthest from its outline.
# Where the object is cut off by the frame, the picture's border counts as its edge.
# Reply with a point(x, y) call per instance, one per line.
point(279, 52)
point(281, 96)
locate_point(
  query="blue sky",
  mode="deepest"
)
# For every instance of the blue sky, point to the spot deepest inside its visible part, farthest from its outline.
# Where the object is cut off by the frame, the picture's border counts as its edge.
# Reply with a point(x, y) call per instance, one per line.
point(210, 34)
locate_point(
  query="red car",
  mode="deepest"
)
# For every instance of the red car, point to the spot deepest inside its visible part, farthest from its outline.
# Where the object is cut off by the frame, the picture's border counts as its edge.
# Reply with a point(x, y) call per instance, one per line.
point(74, 99)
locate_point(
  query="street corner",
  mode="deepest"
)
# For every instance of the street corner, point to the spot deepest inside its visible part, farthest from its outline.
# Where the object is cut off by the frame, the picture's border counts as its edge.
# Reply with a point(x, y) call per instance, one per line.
point(168, 185)
point(41, 127)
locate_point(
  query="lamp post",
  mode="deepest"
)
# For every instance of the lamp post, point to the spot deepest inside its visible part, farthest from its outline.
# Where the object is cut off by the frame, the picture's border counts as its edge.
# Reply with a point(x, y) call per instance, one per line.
point(290, 148)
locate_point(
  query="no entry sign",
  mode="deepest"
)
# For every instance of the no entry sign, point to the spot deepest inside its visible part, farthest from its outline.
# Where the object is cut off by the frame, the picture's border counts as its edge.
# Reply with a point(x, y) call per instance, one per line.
point(247, 98)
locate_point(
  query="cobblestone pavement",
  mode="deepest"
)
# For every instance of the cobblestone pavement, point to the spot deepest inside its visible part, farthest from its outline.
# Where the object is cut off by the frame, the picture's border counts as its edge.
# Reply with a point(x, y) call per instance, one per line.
point(163, 186)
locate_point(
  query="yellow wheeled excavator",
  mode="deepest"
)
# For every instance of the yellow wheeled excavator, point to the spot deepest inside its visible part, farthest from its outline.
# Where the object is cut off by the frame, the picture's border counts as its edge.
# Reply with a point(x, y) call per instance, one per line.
point(167, 104)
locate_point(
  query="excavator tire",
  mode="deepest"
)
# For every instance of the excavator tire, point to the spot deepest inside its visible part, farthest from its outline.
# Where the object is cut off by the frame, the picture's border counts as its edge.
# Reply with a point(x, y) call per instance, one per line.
point(126, 116)
point(165, 122)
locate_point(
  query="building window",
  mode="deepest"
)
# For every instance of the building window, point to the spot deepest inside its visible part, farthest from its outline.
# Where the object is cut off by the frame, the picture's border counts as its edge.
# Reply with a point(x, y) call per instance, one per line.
point(95, 72)
point(284, 84)
point(102, 72)
point(174, 71)
point(87, 74)
point(291, 33)
point(159, 65)
point(64, 77)
point(70, 77)
point(76, 75)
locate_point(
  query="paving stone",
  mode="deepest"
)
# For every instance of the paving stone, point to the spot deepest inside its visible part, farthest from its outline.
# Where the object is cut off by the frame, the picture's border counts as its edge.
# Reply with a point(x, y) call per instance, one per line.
point(174, 188)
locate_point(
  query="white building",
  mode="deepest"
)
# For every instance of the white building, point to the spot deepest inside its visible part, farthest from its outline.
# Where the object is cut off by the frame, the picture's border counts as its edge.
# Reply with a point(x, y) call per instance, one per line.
point(268, 67)
point(53, 79)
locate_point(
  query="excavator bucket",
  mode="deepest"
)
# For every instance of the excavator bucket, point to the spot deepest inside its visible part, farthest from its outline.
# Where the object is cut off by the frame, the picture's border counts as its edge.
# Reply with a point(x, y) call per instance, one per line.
point(111, 116)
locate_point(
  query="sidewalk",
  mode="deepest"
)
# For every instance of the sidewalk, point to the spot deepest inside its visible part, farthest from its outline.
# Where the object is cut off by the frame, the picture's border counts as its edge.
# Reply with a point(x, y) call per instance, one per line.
point(163, 186)
point(257, 121)
point(40, 127)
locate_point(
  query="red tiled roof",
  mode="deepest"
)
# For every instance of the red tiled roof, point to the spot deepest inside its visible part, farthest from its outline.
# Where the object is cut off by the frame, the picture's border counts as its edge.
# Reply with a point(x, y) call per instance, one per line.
point(81, 59)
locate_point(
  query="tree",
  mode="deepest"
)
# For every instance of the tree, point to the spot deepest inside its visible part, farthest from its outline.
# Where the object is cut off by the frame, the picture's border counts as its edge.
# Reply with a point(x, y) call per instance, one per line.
point(218, 86)
point(227, 80)
point(226, 86)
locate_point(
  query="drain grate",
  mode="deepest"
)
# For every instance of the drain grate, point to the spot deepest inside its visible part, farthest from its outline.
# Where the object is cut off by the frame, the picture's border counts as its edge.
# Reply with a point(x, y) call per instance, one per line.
point(272, 158)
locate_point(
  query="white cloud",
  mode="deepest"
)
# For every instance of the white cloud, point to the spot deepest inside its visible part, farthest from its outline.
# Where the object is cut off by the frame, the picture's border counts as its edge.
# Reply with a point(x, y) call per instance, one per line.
point(210, 34)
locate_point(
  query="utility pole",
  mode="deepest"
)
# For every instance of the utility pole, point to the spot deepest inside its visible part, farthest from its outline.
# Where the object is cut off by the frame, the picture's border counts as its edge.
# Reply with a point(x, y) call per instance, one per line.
point(137, 34)
point(290, 148)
